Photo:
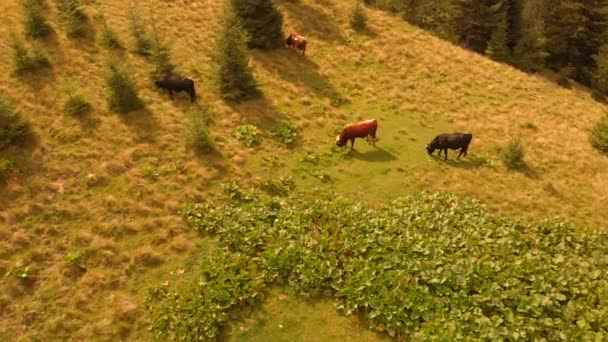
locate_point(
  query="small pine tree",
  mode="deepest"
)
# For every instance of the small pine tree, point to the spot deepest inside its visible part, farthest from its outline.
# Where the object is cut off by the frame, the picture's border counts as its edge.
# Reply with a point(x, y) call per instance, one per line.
point(73, 102)
point(12, 124)
point(25, 60)
point(122, 93)
point(358, 19)
point(235, 78)
point(600, 83)
point(497, 46)
point(72, 17)
point(108, 38)
point(160, 54)
point(262, 22)
point(598, 136)
point(141, 42)
point(198, 134)
point(513, 154)
point(34, 21)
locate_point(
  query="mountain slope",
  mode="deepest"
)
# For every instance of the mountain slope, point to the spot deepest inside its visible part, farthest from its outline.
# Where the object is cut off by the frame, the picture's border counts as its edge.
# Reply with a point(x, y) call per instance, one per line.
point(108, 187)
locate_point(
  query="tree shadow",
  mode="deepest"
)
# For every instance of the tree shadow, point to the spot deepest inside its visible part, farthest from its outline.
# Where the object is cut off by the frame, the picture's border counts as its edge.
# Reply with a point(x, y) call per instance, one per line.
point(311, 22)
point(299, 70)
point(376, 155)
point(21, 154)
point(259, 112)
point(143, 123)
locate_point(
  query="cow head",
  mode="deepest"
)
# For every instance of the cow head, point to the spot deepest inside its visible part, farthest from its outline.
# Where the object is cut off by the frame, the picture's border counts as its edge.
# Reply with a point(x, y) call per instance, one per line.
point(430, 149)
point(339, 141)
point(289, 39)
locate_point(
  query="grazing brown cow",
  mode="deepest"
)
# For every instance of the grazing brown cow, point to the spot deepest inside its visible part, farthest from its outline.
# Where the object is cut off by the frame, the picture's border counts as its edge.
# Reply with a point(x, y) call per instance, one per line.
point(297, 41)
point(452, 141)
point(358, 130)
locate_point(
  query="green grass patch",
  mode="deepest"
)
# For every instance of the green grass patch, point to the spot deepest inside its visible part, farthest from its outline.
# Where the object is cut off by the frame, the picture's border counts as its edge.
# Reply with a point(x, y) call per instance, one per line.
point(249, 135)
point(421, 267)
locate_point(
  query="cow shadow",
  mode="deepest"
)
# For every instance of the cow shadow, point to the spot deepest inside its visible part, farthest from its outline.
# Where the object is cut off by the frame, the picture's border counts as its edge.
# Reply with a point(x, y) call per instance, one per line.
point(462, 163)
point(376, 155)
point(312, 22)
point(292, 67)
point(143, 123)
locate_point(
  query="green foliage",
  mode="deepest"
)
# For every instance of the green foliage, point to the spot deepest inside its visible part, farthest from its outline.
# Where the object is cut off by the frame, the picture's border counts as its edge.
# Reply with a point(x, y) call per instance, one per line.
point(74, 259)
point(598, 136)
point(474, 22)
point(6, 166)
point(198, 133)
point(358, 19)
point(262, 22)
point(249, 135)
point(286, 133)
point(530, 52)
point(12, 124)
point(497, 46)
point(513, 154)
point(234, 76)
point(73, 102)
point(141, 41)
point(108, 38)
point(601, 75)
point(122, 93)
point(26, 60)
point(282, 187)
point(424, 267)
point(34, 20)
point(161, 58)
point(150, 172)
point(72, 17)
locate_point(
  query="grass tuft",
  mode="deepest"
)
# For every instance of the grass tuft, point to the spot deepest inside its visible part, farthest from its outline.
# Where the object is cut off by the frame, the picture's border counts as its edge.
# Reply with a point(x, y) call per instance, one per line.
point(513, 155)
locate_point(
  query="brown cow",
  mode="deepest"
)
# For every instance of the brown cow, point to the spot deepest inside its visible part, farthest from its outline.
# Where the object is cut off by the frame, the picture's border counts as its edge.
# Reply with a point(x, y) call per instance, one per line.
point(358, 130)
point(297, 41)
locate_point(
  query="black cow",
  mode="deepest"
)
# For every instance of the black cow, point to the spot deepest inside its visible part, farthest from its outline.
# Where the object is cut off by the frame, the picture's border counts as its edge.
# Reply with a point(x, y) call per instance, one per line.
point(176, 83)
point(452, 141)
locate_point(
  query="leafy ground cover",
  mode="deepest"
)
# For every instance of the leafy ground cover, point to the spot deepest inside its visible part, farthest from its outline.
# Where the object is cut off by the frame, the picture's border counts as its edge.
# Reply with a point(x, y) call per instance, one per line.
point(430, 266)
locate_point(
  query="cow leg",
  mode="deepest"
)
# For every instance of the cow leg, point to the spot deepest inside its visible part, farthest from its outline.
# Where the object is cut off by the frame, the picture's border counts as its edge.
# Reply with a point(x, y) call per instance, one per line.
point(352, 143)
point(374, 139)
point(466, 148)
point(461, 152)
point(445, 151)
point(171, 94)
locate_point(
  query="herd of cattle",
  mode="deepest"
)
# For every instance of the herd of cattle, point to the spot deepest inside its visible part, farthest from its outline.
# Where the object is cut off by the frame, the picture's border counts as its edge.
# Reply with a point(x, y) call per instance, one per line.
point(361, 129)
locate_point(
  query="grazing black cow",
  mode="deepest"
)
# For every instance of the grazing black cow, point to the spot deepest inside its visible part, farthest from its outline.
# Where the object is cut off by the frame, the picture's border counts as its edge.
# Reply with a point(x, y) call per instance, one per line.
point(452, 141)
point(176, 83)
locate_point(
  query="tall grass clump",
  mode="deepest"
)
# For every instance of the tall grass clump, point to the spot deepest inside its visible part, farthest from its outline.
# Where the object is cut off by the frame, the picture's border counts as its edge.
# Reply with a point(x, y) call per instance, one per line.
point(598, 136)
point(73, 102)
point(72, 17)
point(141, 41)
point(198, 132)
point(108, 37)
point(122, 93)
point(513, 155)
point(27, 60)
point(234, 76)
point(358, 19)
point(425, 267)
point(34, 19)
point(12, 124)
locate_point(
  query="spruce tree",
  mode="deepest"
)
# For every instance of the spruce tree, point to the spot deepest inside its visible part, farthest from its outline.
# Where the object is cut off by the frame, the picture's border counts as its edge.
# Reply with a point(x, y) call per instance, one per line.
point(235, 78)
point(600, 82)
point(498, 47)
point(475, 21)
point(122, 95)
point(262, 22)
point(34, 20)
point(530, 52)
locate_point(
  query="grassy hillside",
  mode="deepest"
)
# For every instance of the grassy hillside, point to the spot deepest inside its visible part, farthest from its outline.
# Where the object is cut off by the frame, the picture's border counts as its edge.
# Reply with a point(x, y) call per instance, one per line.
point(107, 187)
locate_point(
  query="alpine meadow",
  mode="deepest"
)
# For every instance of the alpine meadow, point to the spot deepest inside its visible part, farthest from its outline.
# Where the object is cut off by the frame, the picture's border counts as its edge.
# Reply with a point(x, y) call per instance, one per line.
point(183, 171)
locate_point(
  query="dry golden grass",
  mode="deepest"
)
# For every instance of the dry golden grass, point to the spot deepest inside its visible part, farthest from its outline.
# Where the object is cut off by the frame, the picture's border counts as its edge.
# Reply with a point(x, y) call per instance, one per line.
point(83, 188)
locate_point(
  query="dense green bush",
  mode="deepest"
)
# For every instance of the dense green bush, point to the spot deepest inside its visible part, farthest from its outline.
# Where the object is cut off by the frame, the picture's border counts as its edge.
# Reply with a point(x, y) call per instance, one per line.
point(12, 125)
point(249, 135)
point(427, 267)
point(34, 20)
point(599, 134)
point(122, 94)
point(234, 77)
point(513, 154)
point(27, 60)
point(286, 133)
point(358, 19)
